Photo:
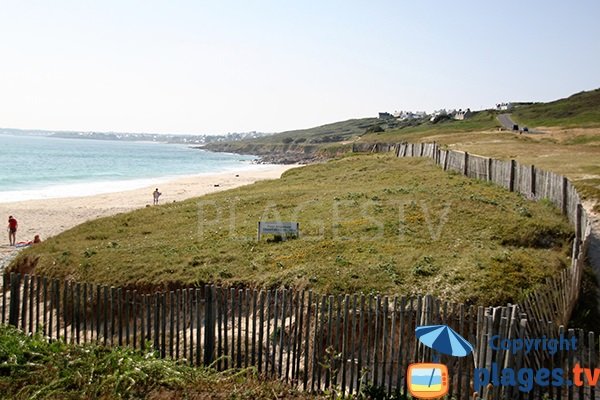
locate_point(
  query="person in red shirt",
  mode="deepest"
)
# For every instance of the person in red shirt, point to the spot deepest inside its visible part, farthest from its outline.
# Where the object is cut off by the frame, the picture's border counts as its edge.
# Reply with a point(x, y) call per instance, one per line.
point(12, 230)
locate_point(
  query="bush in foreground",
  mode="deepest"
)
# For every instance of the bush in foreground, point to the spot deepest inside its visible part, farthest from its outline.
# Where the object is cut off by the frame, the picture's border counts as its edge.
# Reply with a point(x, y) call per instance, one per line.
point(32, 368)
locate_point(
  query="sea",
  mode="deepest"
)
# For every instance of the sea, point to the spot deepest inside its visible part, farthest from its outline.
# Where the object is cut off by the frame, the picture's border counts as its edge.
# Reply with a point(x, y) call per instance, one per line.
point(42, 167)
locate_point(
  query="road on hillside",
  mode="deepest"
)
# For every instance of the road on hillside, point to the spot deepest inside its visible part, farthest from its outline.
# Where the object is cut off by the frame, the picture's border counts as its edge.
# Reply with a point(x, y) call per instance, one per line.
point(506, 122)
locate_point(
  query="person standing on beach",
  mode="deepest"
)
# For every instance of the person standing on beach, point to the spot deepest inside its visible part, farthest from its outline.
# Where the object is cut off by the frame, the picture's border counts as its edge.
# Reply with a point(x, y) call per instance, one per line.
point(12, 230)
point(156, 195)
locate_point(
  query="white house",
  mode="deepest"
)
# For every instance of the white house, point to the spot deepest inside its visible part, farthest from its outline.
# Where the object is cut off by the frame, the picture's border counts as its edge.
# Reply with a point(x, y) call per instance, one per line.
point(462, 114)
point(504, 106)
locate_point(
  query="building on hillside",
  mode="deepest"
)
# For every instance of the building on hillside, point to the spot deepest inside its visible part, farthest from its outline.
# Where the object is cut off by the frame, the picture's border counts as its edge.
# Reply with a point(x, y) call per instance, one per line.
point(409, 115)
point(462, 114)
point(385, 115)
point(504, 106)
point(438, 114)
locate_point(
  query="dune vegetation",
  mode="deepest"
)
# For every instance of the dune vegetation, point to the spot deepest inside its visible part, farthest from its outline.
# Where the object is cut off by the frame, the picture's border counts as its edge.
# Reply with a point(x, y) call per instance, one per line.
point(369, 224)
point(33, 368)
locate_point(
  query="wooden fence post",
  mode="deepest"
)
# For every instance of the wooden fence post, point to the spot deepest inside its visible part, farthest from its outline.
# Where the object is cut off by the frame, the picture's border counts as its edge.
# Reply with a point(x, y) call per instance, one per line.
point(564, 195)
point(578, 227)
point(511, 181)
point(466, 164)
point(156, 329)
point(532, 181)
point(5, 284)
point(163, 324)
point(489, 169)
point(209, 325)
point(446, 160)
point(57, 306)
point(13, 313)
point(307, 342)
point(24, 301)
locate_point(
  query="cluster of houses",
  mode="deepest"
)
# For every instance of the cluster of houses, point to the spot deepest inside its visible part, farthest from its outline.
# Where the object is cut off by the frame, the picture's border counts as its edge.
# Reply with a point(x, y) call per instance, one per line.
point(422, 115)
point(504, 106)
point(437, 115)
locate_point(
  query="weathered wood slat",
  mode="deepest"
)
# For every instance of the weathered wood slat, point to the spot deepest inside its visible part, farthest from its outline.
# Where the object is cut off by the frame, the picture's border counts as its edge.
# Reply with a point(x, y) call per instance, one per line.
point(268, 332)
point(367, 360)
point(31, 302)
point(376, 341)
point(85, 312)
point(239, 329)
point(281, 333)
point(313, 358)
point(219, 318)
point(319, 348)
point(76, 311)
point(344, 352)
point(384, 340)
point(209, 325)
point(119, 294)
point(353, 372)
point(254, 314)
point(45, 316)
point(273, 339)
point(300, 341)
point(261, 332)
point(247, 326)
point(290, 333)
point(306, 342)
point(184, 320)
point(361, 326)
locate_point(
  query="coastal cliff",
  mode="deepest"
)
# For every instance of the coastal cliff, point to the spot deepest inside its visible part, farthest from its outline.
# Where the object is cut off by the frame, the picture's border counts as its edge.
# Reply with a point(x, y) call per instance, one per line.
point(280, 153)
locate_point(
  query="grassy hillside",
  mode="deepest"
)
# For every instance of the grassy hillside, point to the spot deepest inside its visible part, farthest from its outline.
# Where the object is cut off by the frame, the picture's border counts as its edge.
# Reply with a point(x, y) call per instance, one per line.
point(335, 132)
point(369, 224)
point(32, 368)
point(319, 143)
point(330, 133)
point(579, 110)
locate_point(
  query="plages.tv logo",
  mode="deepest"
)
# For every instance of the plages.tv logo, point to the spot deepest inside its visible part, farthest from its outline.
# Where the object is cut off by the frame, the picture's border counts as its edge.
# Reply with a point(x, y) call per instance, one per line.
point(431, 380)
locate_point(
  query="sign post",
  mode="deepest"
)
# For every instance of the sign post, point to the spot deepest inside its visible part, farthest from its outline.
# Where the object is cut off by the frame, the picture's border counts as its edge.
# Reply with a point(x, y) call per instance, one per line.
point(284, 229)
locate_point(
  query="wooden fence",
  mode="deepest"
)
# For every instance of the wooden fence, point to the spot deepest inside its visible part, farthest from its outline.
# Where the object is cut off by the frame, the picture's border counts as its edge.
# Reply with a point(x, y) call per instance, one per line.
point(318, 342)
point(313, 342)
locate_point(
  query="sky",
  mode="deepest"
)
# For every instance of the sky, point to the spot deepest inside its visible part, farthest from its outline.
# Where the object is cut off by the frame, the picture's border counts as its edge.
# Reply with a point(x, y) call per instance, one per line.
point(212, 67)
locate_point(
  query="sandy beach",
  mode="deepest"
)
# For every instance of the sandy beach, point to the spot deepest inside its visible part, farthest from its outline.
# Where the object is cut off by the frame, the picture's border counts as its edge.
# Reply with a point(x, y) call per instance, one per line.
point(49, 217)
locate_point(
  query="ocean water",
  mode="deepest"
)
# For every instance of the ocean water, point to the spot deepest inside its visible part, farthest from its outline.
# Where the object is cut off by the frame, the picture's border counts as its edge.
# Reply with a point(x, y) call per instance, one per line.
point(36, 167)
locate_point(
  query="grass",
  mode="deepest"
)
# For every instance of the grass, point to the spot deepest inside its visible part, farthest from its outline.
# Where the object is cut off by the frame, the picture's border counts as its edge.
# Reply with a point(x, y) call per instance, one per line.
point(369, 224)
point(334, 132)
point(579, 110)
point(32, 368)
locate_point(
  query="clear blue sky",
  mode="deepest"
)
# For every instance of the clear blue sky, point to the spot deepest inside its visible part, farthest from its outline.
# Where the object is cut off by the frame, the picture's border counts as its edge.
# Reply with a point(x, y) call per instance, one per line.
point(226, 66)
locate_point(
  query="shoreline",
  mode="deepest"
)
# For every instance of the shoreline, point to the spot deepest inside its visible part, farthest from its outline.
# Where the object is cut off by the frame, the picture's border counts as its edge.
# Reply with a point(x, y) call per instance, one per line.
point(99, 187)
point(49, 217)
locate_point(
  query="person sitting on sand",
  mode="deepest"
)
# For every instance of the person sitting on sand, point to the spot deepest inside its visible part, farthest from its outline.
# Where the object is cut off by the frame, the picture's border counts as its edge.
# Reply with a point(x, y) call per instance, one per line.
point(156, 195)
point(36, 239)
point(12, 230)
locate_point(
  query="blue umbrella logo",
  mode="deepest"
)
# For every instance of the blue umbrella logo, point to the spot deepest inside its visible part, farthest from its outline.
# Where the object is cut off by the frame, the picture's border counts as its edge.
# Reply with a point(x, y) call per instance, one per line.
point(443, 339)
